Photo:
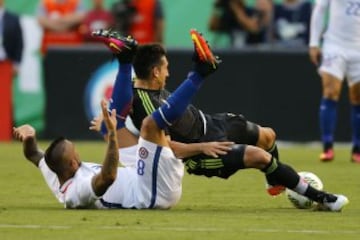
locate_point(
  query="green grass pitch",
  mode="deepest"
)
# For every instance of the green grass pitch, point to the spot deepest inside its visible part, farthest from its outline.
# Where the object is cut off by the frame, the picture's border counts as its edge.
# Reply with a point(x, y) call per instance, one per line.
point(237, 208)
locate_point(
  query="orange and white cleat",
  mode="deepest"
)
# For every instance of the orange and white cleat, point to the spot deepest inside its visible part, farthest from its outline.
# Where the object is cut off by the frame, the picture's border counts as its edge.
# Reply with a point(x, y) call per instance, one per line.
point(202, 48)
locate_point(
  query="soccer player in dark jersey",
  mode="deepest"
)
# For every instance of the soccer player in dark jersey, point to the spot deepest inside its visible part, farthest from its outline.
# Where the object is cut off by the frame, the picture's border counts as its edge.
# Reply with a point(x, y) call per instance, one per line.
point(239, 156)
point(151, 68)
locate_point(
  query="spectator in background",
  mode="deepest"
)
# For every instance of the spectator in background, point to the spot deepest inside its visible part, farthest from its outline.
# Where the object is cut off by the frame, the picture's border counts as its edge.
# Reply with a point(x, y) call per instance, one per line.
point(60, 20)
point(11, 48)
point(97, 18)
point(244, 25)
point(142, 19)
point(291, 23)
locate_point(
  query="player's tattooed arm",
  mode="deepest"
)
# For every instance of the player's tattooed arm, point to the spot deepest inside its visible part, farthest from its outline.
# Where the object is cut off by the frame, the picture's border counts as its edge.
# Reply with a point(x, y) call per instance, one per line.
point(107, 175)
point(27, 135)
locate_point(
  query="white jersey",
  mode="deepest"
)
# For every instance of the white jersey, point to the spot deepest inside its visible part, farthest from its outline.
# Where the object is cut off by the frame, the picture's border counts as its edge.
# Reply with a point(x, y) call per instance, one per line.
point(343, 26)
point(155, 182)
point(127, 159)
point(77, 192)
point(51, 180)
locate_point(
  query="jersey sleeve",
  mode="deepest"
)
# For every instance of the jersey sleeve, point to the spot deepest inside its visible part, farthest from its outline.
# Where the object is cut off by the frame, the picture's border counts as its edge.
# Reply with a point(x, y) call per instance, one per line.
point(317, 25)
point(128, 156)
point(79, 193)
point(51, 180)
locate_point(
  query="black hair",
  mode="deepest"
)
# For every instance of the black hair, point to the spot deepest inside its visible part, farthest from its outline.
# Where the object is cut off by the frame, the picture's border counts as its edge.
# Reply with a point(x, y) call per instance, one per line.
point(146, 58)
point(51, 160)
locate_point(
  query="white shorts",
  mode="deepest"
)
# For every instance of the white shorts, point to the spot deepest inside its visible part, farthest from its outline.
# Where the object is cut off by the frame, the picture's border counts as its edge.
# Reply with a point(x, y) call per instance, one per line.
point(341, 62)
point(160, 176)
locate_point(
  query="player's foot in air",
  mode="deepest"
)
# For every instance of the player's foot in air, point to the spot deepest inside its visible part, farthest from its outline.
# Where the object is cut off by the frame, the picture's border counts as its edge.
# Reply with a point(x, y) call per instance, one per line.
point(119, 45)
point(274, 190)
point(335, 203)
point(202, 49)
point(327, 155)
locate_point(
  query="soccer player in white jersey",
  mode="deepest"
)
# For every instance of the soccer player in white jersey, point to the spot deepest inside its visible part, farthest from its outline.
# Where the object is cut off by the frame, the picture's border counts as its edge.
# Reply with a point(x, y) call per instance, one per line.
point(156, 179)
point(338, 59)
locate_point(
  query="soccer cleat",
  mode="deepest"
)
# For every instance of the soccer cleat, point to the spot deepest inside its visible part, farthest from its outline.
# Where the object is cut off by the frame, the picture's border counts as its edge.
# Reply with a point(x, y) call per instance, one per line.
point(334, 206)
point(114, 41)
point(327, 155)
point(274, 190)
point(355, 157)
point(202, 48)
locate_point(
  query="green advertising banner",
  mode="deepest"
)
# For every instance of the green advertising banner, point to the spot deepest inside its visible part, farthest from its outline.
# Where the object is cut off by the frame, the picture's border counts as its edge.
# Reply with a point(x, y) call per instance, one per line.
point(28, 102)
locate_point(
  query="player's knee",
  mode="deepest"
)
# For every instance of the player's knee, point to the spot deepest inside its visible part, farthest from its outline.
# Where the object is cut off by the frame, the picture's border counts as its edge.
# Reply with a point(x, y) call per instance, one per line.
point(267, 137)
point(331, 93)
point(331, 89)
point(354, 95)
point(271, 135)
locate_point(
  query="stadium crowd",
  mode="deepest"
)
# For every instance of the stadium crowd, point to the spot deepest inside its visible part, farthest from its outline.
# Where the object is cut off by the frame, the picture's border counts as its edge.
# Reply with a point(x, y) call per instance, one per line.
point(285, 23)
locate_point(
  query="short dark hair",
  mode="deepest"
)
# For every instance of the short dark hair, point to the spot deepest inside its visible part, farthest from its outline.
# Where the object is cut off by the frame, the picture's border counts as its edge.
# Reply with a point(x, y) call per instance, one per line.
point(52, 160)
point(146, 58)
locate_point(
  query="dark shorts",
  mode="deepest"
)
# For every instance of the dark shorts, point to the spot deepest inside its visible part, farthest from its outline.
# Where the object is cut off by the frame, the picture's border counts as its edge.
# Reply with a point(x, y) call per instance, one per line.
point(224, 127)
point(230, 127)
point(222, 167)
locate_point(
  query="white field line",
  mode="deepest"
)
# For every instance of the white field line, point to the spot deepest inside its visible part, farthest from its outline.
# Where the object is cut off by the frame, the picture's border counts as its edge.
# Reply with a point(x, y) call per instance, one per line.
point(4, 226)
point(186, 229)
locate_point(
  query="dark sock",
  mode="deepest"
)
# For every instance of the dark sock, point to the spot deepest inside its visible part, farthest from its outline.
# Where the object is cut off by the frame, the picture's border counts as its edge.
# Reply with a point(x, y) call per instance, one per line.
point(274, 151)
point(305, 189)
point(319, 196)
point(327, 146)
point(275, 154)
point(355, 149)
point(281, 174)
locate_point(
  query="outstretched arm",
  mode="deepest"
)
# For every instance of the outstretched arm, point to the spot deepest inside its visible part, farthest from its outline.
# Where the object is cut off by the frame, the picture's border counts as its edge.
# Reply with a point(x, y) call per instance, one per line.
point(213, 149)
point(107, 175)
point(27, 135)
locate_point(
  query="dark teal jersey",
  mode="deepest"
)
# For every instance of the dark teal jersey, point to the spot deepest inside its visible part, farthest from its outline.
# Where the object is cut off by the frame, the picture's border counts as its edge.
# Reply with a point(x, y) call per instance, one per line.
point(188, 128)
